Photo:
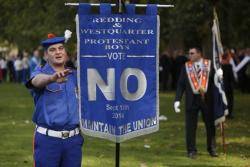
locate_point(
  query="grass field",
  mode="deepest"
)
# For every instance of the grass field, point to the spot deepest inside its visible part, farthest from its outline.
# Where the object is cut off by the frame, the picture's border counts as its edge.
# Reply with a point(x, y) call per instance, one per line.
point(167, 146)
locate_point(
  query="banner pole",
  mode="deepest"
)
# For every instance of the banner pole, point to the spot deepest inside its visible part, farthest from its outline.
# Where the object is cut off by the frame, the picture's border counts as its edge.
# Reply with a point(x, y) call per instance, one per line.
point(117, 145)
point(120, 6)
point(137, 5)
point(222, 128)
point(117, 155)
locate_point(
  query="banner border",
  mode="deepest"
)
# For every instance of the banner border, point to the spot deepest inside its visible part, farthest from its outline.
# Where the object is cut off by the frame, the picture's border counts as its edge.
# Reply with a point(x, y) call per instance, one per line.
point(78, 72)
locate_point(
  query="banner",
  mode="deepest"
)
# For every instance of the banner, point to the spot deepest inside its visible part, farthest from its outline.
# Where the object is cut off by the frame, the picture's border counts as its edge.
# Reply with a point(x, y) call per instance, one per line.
point(220, 101)
point(118, 72)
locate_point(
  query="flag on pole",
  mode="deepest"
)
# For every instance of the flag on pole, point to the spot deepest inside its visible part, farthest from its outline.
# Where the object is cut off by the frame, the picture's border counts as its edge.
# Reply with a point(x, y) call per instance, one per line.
point(118, 72)
point(220, 101)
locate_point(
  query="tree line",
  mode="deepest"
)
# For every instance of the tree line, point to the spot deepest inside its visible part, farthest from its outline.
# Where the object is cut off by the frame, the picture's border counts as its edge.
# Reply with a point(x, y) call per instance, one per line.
point(25, 22)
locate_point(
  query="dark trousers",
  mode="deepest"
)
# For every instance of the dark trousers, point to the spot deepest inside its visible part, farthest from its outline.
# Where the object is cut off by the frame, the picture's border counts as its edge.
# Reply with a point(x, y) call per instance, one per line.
point(191, 126)
point(19, 76)
point(230, 101)
point(56, 152)
point(165, 76)
point(4, 72)
point(25, 75)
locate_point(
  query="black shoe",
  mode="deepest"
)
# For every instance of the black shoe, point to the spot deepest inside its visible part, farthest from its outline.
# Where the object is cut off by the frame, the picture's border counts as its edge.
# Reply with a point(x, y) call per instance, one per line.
point(213, 154)
point(192, 155)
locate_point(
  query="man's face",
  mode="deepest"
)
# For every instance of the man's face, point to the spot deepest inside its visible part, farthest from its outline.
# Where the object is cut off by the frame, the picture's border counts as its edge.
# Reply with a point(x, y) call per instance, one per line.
point(194, 55)
point(56, 54)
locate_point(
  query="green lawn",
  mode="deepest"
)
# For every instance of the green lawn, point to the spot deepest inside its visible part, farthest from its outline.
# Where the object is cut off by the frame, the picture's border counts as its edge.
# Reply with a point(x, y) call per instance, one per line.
point(167, 146)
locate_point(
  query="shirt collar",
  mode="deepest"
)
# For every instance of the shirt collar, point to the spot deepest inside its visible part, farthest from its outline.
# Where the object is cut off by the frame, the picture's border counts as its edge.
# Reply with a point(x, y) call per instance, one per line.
point(198, 63)
point(49, 69)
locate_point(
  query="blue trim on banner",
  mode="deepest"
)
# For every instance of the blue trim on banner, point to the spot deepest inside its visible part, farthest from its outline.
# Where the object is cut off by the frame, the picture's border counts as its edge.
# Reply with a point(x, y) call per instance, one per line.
point(130, 8)
point(105, 8)
point(151, 9)
point(84, 8)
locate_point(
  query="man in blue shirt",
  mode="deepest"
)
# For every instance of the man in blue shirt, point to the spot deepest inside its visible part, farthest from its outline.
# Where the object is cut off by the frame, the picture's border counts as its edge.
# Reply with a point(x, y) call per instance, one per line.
point(57, 140)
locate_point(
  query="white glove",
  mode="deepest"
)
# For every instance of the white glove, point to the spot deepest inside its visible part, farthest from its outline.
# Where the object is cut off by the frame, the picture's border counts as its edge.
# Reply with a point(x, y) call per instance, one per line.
point(219, 73)
point(177, 107)
point(67, 35)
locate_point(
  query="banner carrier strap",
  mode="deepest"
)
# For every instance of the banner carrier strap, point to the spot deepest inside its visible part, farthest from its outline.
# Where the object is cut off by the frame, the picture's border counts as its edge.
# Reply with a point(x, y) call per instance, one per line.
point(137, 5)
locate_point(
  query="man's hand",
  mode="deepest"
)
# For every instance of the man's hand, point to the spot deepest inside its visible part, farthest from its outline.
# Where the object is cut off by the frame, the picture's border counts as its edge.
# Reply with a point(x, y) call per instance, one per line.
point(60, 76)
point(219, 73)
point(177, 107)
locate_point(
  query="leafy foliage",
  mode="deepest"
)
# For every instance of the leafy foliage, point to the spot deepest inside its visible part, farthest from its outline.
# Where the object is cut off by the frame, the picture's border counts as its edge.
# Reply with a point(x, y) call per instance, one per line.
point(26, 22)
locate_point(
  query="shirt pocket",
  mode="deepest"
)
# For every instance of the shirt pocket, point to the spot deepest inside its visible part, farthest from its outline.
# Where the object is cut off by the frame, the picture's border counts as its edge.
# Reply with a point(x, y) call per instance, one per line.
point(54, 97)
point(54, 87)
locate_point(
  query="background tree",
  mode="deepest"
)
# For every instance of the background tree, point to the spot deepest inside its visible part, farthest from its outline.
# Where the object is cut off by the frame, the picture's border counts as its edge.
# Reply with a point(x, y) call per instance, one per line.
point(26, 22)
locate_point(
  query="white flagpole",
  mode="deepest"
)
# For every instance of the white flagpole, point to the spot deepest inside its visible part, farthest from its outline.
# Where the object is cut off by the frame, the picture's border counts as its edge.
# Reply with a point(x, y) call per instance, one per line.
point(137, 5)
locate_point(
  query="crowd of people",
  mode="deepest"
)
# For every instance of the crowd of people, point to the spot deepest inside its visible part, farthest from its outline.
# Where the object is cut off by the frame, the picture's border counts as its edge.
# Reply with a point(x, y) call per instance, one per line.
point(17, 68)
point(170, 67)
point(234, 64)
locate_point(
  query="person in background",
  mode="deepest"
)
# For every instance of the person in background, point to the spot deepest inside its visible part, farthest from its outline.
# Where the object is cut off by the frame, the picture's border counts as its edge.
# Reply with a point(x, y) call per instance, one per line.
point(228, 81)
point(196, 80)
point(26, 68)
point(3, 65)
point(11, 68)
point(18, 64)
point(179, 60)
point(35, 60)
point(242, 73)
point(165, 68)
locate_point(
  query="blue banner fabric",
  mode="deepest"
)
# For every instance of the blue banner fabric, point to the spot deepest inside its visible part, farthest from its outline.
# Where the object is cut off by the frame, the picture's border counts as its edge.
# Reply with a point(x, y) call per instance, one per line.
point(118, 73)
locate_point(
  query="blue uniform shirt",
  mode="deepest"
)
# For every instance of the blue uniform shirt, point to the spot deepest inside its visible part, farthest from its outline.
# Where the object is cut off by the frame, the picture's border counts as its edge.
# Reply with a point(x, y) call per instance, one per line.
point(56, 104)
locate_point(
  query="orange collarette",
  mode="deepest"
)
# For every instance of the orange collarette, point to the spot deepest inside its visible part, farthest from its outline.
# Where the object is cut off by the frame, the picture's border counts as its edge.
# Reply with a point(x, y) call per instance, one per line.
point(199, 86)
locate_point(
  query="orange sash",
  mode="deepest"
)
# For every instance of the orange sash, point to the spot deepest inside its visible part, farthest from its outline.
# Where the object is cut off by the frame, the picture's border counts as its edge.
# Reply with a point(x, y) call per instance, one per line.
point(199, 86)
